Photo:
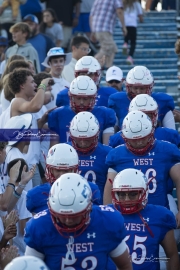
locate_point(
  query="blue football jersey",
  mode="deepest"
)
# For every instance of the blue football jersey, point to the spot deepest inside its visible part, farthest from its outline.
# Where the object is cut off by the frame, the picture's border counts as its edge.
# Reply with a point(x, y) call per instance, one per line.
point(119, 102)
point(144, 248)
point(92, 166)
point(103, 94)
point(37, 197)
point(89, 250)
point(161, 133)
point(156, 165)
point(60, 118)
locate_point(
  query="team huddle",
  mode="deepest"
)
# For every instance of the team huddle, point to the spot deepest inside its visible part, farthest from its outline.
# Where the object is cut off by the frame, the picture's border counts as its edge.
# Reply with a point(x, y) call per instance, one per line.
point(107, 202)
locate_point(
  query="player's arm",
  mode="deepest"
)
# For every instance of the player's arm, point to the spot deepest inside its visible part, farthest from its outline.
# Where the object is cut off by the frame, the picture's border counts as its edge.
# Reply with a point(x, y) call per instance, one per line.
point(107, 198)
point(170, 248)
point(121, 257)
point(35, 104)
point(175, 176)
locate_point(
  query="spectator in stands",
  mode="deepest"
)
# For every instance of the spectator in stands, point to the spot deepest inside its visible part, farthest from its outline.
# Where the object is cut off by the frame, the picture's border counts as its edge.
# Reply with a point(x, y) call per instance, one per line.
point(32, 7)
point(51, 27)
point(114, 78)
point(132, 10)
point(102, 20)
point(39, 41)
point(56, 60)
point(83, 25)
point(64, 10)
point(80, 48)
point(14, 4)
point(6, 18)
point(21, 33)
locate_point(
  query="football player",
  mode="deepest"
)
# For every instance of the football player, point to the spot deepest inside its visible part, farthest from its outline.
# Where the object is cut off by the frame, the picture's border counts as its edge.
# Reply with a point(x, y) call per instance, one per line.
point(72, 233)
point(82, 94)
point(84, 133)
point(88, 66)
point(139, 80)
point(62, 158)
point(156, 159)
point(147, 226)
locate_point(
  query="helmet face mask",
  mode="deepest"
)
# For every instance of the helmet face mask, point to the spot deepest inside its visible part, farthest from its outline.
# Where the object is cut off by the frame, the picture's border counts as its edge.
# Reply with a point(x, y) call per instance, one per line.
point(146, 104)
point(62, 157)
point(138, 132)
point(70, 204)
point(82, 103)
point(139, 80)
point(88, 65)
point(130, 191)
point(84, 132)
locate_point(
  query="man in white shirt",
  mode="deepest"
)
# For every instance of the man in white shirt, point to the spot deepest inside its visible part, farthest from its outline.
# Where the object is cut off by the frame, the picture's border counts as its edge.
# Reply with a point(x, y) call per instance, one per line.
point(56, 60)
point(80, 48)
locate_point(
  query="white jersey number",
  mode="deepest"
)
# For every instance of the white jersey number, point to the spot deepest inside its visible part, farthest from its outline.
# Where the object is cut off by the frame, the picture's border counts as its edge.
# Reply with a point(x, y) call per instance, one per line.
point(84, 264)
point(138, 244)
point(90, 173)
point(151, 176)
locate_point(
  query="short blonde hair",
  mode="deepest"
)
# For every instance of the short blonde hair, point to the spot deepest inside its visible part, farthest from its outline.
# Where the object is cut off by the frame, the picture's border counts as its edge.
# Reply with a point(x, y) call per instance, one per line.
point(21, 26)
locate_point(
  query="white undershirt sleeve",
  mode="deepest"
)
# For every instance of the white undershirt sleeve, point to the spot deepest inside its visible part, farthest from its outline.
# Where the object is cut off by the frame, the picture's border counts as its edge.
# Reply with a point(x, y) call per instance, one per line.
point(119, 250)
point(168, 120)
point(32, 252)
point(109, 130)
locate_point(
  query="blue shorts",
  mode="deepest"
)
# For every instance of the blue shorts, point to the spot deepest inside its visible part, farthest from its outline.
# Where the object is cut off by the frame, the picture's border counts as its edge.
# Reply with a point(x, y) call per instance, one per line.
point(83, 25)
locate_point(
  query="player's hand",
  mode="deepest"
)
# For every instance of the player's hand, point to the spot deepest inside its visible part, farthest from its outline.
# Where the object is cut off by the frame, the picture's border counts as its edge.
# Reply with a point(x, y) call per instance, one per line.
point(176, 114)
point(14, 172)
point(178, 219)
point(27, 176)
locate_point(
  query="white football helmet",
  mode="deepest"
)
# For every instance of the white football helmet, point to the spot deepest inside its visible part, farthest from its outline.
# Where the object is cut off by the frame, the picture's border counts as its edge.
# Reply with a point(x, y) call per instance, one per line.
point(88, 65)
point(70, 197)
point(62, 157)
point(19, 123)
point(146, 104)
point(82, 86)
point(84, 126)
point(140, 77)
point(26, 263)
point(137, 125)
point(130, 180)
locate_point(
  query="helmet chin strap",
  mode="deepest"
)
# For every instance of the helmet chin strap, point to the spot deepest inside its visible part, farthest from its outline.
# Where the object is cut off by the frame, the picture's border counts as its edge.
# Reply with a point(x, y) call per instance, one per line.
point(146, 224)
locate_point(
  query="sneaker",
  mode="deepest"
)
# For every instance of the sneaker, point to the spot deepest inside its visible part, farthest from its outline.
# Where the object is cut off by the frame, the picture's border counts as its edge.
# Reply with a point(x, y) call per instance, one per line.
point(129, 60)
point(125, 48)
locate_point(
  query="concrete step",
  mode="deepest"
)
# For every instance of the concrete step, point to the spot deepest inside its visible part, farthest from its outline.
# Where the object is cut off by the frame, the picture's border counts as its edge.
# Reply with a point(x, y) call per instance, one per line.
point(159, 19)
point(150, 43)
point(148, 53)
point(144, 35)
point(150, 67)
point(157, 72)
point(157, 26)
point(159, 63)
point(165, 13)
